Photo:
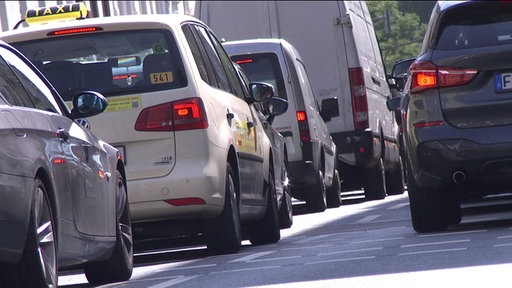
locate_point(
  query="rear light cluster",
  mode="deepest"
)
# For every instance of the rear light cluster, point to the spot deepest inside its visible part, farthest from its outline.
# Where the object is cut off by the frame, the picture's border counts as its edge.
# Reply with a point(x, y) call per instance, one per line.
point(427, 75)
point(302, 119)
point(186, 114)
point(359, 99)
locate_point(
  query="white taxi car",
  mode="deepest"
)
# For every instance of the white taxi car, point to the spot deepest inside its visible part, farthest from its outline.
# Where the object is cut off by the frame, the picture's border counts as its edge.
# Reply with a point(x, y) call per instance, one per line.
point(196, 156)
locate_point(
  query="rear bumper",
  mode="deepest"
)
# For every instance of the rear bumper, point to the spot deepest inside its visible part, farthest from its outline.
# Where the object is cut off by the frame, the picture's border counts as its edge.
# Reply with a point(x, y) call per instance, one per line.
point(474, 158)
point(358, 148)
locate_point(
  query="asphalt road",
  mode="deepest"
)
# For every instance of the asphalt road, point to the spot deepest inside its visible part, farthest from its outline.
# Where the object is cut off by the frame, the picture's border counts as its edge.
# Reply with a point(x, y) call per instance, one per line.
point(360, 244)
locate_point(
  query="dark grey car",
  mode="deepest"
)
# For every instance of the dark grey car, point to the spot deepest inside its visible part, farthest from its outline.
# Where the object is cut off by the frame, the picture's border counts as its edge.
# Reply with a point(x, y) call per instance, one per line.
point(457, 111)
point(63, 199)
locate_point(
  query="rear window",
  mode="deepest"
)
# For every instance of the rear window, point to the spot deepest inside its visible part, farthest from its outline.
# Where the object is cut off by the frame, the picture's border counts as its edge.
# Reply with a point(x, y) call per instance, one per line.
point(265, 68)
point(112, 63)
point(476, 24)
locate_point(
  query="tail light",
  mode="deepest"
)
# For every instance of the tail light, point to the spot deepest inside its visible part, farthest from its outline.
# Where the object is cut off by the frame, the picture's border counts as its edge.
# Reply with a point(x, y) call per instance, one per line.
point(302, 119)
point(359, 100)
point(427, 75)
point(186, 114)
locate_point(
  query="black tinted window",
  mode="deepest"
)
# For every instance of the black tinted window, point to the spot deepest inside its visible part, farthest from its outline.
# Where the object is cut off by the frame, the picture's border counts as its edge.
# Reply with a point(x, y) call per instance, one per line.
point(265, 68)
point(478, 24)
point(112, 63)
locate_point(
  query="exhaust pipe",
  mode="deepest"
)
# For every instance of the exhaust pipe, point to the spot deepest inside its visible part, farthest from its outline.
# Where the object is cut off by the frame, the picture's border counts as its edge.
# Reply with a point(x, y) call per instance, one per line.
point(458, 177)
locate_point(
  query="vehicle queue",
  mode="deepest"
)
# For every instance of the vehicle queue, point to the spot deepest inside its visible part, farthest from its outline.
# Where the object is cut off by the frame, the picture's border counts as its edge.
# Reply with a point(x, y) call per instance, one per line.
point(192, 135)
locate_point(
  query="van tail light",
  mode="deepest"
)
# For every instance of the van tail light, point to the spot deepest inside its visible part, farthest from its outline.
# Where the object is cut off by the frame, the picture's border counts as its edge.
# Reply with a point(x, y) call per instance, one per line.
point(427, 75)
point(359, 99)
point(186, 114)
point(302, 119)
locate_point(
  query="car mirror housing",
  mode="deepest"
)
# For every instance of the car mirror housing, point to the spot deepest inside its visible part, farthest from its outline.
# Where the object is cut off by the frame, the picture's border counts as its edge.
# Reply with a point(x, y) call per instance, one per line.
point(87, 104)
point(261, 91)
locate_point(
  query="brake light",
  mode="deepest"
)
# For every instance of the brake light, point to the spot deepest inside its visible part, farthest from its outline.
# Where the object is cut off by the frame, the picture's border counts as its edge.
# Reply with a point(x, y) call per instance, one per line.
point(186, 114)
point(244, 61)
point(302, 119)
point(427, 75)
point(359, 99)
point(74, 31)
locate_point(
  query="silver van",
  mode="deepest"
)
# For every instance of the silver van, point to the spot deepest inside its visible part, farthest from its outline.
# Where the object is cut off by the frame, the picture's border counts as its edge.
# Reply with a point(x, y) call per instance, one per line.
point(311, 152)
point(338, 46)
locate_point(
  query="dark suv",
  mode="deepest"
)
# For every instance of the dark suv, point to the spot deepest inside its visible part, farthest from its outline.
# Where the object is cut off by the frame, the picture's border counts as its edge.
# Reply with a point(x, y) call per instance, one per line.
point(457, 111)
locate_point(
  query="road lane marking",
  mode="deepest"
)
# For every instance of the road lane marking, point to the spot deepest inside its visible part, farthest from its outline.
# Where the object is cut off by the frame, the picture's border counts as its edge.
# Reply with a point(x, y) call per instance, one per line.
point(452, 233)
point(398, 206)
point(173, 282)
point(432, 251)
point(350, 251)
point(273, 259)
point(252, 256)
point(340, 260)
point(368, 219)
point(308, 247)
point(377, 240)
point(435, 243)
point(247, 269)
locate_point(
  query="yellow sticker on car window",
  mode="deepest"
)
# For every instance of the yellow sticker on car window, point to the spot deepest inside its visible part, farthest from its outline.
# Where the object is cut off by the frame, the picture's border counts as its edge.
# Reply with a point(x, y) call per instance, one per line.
point(123, 103)
point(162, 77)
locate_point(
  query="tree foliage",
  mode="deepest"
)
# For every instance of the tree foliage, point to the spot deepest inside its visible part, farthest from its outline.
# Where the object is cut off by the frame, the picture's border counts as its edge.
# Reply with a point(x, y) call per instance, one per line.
point(406, 28)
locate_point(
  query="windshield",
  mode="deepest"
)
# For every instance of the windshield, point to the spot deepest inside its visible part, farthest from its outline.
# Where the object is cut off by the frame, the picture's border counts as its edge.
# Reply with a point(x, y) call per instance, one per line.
point(112, 63)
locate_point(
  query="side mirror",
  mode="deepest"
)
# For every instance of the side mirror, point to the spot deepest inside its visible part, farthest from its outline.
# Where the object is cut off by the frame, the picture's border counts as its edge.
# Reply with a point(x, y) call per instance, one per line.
point(394, 104)
point(87, 104)
point(329, 109)
point(276, 106)
point(261, 91)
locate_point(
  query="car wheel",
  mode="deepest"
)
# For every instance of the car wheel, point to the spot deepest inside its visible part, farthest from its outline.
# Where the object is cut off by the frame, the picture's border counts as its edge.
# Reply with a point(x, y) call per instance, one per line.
point(286, 210)
point(266, 230)
point(334, 192)
point(119, 266)
point(317, 201)
point(38, 264)
point(224, 232)
point(374, 182)
point(429, 208)
point(395, 179)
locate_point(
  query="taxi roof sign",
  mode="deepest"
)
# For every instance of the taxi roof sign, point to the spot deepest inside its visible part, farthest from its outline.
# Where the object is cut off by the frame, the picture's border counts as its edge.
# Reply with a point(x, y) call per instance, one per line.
point(56, 13)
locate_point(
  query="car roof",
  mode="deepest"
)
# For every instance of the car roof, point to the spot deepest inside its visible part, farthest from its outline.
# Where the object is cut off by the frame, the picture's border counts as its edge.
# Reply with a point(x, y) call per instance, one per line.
point(443, 5)
point(128, 21)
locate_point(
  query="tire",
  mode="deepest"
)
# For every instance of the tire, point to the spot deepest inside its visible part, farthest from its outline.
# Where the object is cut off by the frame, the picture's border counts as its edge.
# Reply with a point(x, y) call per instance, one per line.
point(38, 265)
point(395, 180)
point(267, 231)
point(375, 182)
point(119, 266)
point(224, 232)
point(333, 193)
point(429, 208)
point(285, 214)
point(317, 199)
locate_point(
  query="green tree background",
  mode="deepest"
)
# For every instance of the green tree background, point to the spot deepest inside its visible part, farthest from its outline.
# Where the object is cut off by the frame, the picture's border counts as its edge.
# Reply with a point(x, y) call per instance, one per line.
point(407, 25)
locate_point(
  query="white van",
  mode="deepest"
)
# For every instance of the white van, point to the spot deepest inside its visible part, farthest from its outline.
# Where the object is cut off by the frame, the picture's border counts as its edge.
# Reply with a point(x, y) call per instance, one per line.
point(337, 42)
point(311, 152)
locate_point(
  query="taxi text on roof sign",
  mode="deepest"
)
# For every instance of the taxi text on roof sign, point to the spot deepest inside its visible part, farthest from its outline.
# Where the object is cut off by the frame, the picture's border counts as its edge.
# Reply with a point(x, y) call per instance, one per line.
point(55, 13)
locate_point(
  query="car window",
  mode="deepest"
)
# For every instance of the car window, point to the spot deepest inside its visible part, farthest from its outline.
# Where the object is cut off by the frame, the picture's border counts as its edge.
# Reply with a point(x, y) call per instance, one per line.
point(203, 65)
point(466, 27)
point(112, 63)
point(263, 67)
point(22, 86)
point(218, 68)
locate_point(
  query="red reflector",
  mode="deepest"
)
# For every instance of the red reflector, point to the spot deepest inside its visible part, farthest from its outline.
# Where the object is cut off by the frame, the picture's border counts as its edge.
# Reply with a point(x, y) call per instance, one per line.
point(186, 201)
point(74, 31)
point(362, 149)
point(428, 124)
point(244, 61)
point(58, 161)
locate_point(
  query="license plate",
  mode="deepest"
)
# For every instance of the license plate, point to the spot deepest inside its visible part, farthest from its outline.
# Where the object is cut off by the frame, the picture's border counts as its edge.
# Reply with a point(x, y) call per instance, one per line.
point(503, 81)
point(123, 154)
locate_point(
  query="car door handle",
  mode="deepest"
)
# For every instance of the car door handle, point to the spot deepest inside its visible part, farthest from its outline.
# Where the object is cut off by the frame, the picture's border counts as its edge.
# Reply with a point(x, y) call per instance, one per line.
point(63, 134)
